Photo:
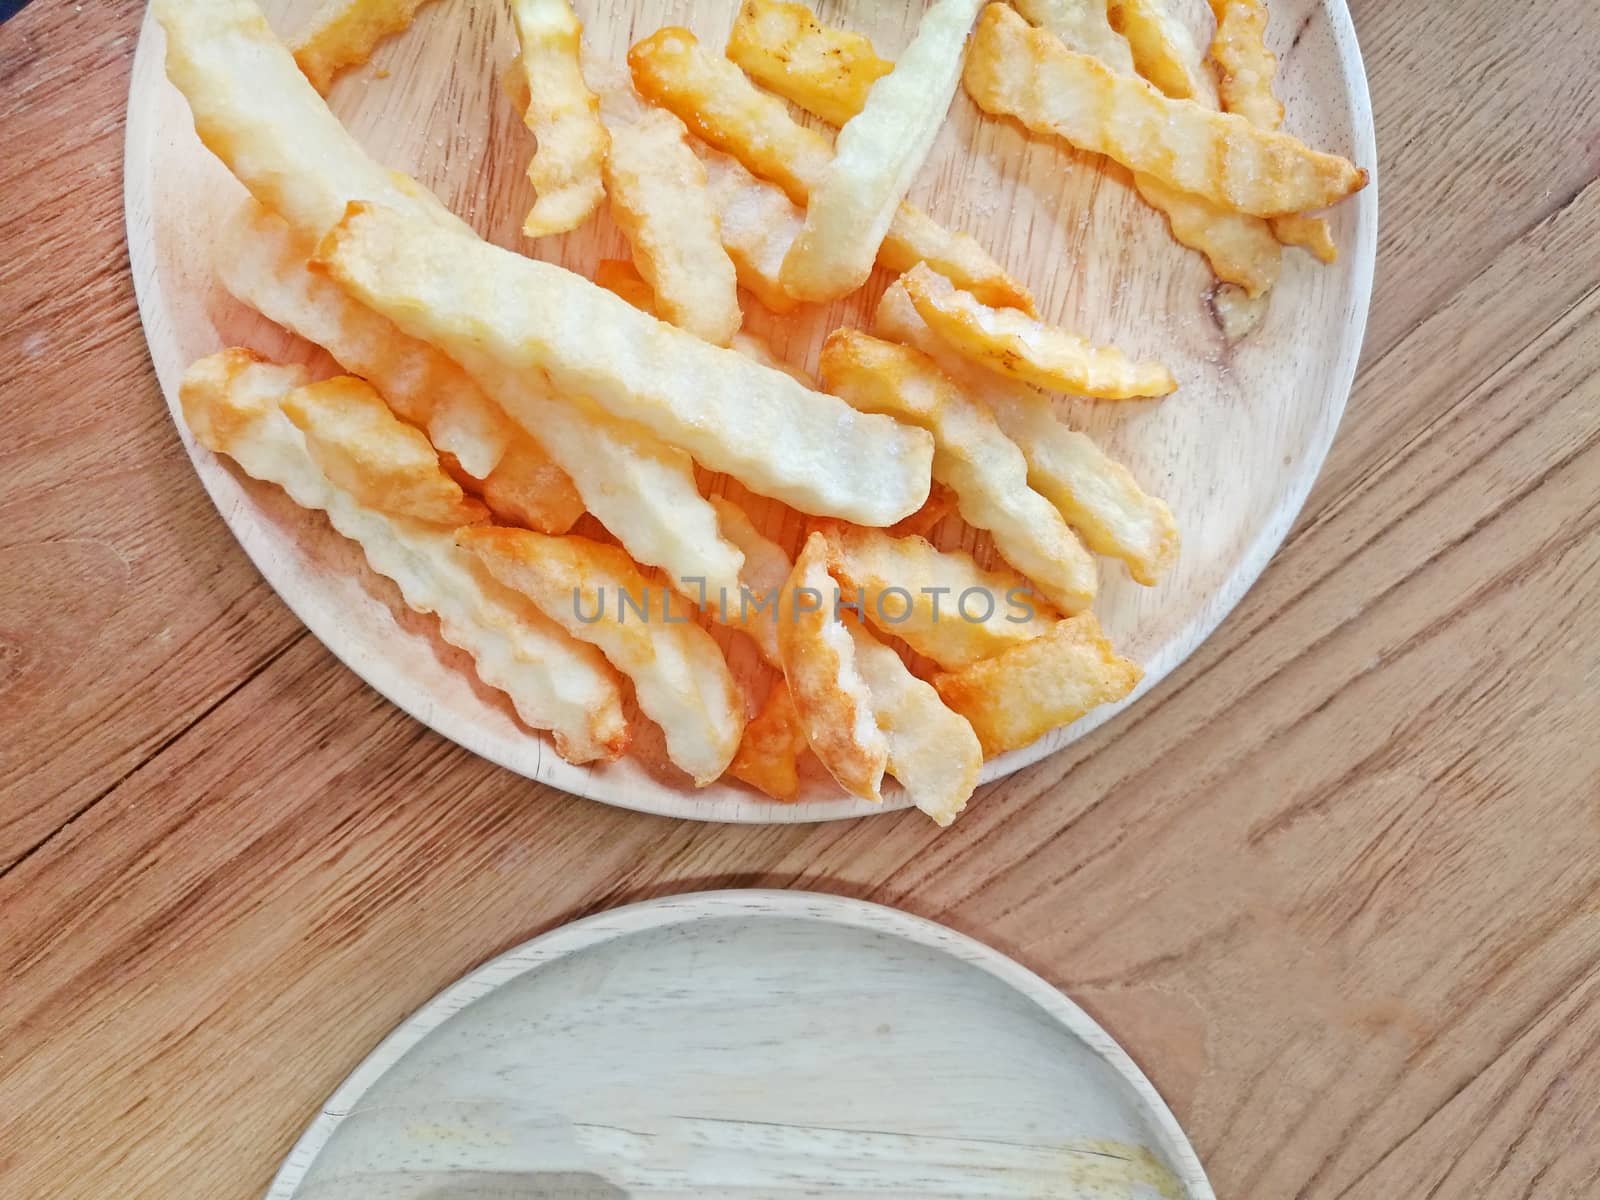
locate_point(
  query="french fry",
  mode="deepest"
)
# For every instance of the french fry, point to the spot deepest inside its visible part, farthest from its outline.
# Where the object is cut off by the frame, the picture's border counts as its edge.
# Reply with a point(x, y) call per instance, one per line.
point(1164, 51)
point(679, 675)
point(813, 66)
point(255, 111)
point(1084, 26)
point(973, 457)
point(1015, 699)
point(769, 753)
point(233, 404)
point(563, 114)
point(1020, 347)
point(345, 33)
point(940, 603)
point(657, 190)
point(622, 278)
point(382, 462)
point(1097, 495)
point(262, 263)
point(831, 698)
point(278, 137)
point(757, 222)
point(1245, 66)
point(733, 415)
point(878, 154)
point(933, 752)
point(641, 489)
point(1248, 69)
point(1015, 70)
point(1241, 249)
point(715, 99)
point(785, 49)
point(766, 569)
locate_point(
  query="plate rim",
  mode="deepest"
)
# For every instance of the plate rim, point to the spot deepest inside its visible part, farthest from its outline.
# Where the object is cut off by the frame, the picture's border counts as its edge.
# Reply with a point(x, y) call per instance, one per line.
point(585, 781)
point(682, 909)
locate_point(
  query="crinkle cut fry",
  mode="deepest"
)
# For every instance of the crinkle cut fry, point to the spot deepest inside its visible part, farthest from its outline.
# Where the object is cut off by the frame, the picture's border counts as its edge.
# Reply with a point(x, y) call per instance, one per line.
point(256, 111)
point(733, 415)
point(1015, 70)
point(262, 263)
point(1097, 495)
point(876, 157)
point(562, 113)
point(232, 402)
point(715, 99)
point(820, 63)
point(346, 32)
point(1248, 68)
point(680, 677)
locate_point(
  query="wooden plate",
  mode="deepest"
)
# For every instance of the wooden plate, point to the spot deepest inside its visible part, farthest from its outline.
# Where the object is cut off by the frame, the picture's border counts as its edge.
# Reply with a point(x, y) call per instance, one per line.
point(1234, 452)
point(690, 1047)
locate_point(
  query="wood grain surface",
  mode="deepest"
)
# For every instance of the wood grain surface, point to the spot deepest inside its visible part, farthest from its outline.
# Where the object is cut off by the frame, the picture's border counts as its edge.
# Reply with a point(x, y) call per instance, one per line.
point(1335, 884)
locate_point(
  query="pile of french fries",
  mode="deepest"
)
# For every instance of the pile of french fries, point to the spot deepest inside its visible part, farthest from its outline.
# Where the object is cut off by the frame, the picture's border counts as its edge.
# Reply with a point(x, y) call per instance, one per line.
point(493, 400)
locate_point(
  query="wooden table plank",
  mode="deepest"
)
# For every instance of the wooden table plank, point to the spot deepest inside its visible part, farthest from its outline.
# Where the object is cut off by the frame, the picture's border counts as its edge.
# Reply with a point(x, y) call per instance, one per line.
point(125, 616)
point(1336, 883)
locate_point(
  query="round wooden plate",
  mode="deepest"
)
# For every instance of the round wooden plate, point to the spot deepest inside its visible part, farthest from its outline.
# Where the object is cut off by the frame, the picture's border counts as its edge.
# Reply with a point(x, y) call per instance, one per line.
point(689, 1046)
point(1234, 452)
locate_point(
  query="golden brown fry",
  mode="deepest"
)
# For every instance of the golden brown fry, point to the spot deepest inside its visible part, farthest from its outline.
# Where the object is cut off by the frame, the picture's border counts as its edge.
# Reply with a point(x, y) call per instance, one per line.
point(345, 33)
point(877, 155)
point(715, 99)
point(1309, 233)
point(1241, 249)
point(769, 754)
point(263, 264)
point(830, 696)
point(757, 222)
point(1014, 700)
point(710, 95)
point(380, 460)
point(1018, 346)
point(233, 403)
point(775, 436)
point(940, 603)
point(985, 468)
point(647, 631)
point(255, 111)
point(1164, 52)
point(563, 114)
point(1248, 69)
point(932, 752)
point(1084, 26)
point(1016, 70)
point(1245, 66)
point(784, 48)
point(659, 200)
point(1097, 495)
point(766, 569)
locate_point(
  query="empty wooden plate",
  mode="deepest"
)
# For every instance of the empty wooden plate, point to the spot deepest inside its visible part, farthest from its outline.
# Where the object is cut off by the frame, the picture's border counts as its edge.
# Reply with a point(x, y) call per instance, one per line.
point(743, 1045)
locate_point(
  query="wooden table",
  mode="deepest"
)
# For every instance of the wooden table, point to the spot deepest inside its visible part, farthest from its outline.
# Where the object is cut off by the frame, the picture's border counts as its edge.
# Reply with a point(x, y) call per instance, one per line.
point(1336, 883)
